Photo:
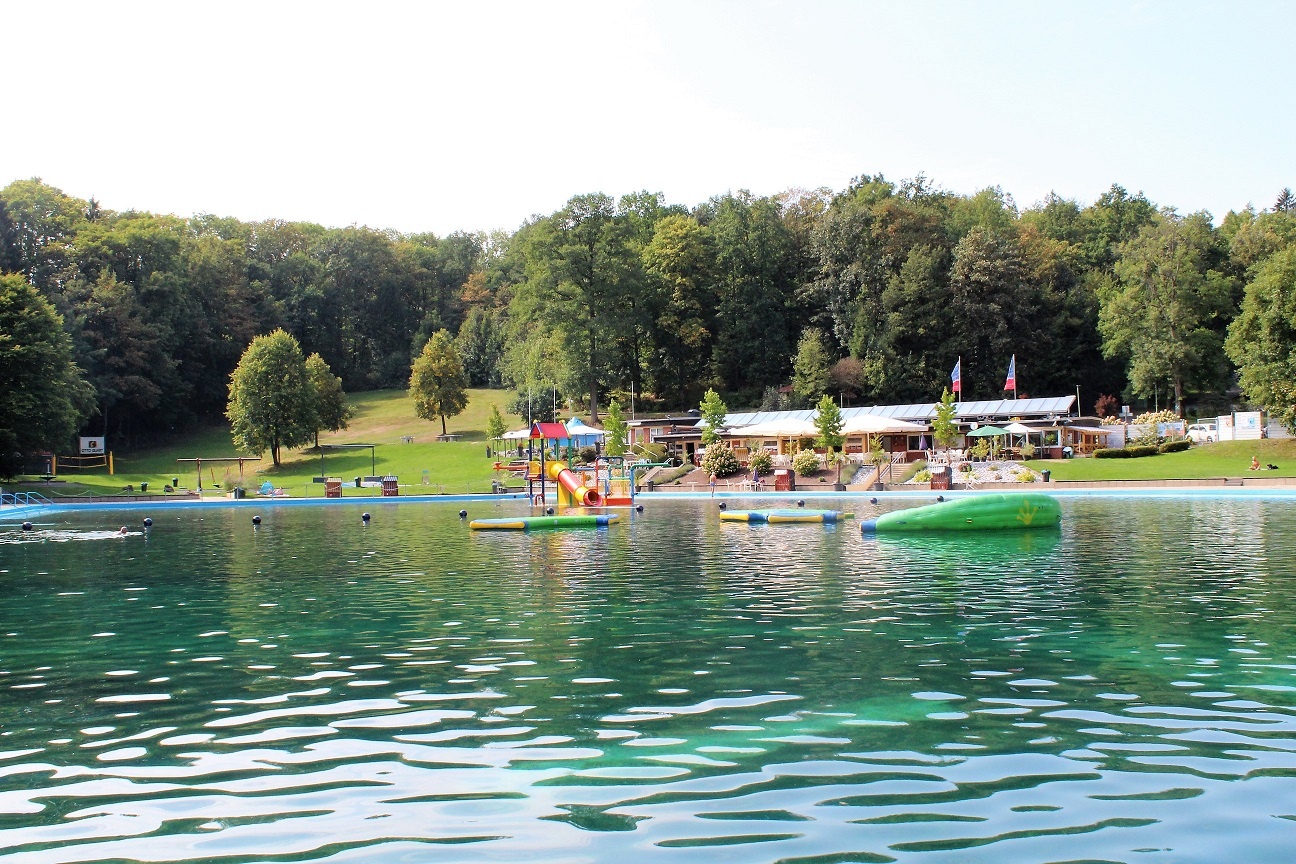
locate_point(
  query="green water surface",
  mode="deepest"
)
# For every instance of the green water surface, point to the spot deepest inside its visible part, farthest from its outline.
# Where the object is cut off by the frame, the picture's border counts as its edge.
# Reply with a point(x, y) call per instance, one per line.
point(671, 688)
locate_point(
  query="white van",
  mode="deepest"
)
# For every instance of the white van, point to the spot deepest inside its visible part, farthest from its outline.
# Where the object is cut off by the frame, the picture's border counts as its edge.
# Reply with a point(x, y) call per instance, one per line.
point(1203, 433)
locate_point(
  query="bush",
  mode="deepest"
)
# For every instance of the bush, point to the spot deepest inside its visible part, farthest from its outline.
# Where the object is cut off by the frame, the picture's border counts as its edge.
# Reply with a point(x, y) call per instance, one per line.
point(923, 476)
point(805, 462)
point(587, 455)
point(1175, 446)
point(1125, 452)
point(1025, 476)
point(721, 461)
point(1028, 450)
point(760, 461)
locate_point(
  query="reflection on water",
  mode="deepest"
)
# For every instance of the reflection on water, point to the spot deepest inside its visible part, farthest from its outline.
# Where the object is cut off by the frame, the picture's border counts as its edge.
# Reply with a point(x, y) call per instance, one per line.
point(1121, 690)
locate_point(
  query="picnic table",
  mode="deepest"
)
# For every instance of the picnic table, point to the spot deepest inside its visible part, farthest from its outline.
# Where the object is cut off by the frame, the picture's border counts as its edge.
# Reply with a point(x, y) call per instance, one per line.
point(453, 436)
point(408, 439)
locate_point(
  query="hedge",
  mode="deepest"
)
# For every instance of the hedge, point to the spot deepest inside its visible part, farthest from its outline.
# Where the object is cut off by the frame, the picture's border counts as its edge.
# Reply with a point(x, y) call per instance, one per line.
point(1175, 446)
point(1125, 452)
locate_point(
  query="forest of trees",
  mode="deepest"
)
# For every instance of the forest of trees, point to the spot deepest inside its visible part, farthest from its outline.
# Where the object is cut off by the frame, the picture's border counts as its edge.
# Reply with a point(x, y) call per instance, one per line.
point(870, 293)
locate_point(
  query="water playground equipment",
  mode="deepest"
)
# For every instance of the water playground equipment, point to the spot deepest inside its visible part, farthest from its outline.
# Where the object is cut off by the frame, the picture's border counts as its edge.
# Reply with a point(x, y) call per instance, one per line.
point(827, 517)
point(976, 513)
point(528, 523)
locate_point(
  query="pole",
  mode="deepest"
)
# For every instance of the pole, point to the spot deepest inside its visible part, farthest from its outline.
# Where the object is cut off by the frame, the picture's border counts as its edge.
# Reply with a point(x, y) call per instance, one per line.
point(1077, 400)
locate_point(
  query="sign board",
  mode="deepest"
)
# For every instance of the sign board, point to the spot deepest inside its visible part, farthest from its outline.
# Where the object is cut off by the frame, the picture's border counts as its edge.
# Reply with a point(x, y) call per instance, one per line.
point(92, 446)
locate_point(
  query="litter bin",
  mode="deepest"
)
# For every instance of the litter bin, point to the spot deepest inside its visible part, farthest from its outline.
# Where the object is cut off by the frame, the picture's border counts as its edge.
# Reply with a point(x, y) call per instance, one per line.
point(651, 485)
point(1046, 473)
point(238, 492)
point(357, 482)
point(143, 487)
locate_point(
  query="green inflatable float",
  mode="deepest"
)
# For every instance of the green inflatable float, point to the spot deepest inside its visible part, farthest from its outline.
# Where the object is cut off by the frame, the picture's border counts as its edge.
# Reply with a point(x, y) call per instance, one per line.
point(974, 513)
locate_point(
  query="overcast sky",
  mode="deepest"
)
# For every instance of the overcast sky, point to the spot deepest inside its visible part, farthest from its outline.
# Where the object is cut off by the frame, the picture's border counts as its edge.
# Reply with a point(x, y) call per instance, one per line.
point(475, 115)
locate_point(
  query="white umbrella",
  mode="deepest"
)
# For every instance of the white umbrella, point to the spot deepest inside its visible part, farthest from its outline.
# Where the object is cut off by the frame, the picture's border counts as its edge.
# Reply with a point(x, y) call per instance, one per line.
point(872, 424)
point(1019, 429)
point(517, 434)
point(785, 427)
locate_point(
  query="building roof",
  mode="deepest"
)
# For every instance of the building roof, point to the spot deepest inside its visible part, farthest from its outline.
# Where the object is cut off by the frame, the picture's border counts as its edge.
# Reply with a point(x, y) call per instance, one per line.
point(925, 412)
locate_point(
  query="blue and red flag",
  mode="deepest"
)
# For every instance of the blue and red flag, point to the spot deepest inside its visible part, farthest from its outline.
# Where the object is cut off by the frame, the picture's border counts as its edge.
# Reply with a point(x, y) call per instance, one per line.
point(956, 377)
point(1011, 383)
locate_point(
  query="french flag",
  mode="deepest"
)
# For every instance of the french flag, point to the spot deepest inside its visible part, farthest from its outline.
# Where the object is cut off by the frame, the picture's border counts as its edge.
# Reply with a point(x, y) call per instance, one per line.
point(1011, 383)
point(956, 377)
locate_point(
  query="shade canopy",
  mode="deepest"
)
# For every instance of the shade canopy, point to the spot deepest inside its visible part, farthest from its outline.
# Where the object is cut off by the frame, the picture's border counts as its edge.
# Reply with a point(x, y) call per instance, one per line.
point(1019, 429)
point(872, 424)
point(577, 429)
point(987, 432)
point(785, 427)
point(517, 434)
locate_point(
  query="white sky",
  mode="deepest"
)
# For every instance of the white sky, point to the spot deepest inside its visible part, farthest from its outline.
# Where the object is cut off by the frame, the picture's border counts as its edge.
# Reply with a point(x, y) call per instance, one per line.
point(428, 116)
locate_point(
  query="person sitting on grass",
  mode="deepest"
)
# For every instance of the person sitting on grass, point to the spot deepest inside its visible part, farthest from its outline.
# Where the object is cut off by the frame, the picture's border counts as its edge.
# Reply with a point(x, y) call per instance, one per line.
point(1255, 463)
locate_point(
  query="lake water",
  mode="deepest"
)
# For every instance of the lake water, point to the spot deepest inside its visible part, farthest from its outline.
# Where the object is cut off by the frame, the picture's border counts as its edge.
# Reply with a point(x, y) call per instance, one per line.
point(669, 689)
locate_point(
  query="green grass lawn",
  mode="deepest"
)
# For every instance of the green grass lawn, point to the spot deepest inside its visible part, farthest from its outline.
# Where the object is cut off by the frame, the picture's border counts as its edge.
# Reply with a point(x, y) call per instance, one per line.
point(1224, 459)
point(382, 417)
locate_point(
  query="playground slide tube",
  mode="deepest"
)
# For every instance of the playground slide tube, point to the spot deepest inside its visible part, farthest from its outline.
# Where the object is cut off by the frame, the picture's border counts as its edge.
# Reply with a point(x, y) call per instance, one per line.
point(978, 513)
point(584, 497)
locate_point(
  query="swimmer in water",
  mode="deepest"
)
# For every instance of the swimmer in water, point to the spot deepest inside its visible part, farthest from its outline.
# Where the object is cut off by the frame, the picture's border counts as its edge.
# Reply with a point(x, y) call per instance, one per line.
point(123, 532)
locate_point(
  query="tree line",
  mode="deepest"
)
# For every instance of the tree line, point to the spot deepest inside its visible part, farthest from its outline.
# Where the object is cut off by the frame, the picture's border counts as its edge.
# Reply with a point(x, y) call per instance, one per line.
point(870, 293)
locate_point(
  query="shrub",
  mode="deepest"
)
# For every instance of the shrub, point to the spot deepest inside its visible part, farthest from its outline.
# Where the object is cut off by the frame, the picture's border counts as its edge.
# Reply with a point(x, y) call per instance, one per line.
point(1028, 450)
point(805, 462)
point(1175, 446)
point(721, 461)
point(965, 467)
point(1151, 418)
point(1025, 476)
point(587, 455)
point(760, 461)
point(923, 476)
point(1124, 452)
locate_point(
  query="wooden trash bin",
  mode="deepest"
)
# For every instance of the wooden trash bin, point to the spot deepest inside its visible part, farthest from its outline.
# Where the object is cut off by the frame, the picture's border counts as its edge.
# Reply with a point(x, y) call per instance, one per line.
point(940, 476)
point(784, 480)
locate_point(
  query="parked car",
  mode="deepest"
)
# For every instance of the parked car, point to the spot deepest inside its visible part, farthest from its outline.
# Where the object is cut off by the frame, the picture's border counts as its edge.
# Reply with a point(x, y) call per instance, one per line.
point(1203, 433)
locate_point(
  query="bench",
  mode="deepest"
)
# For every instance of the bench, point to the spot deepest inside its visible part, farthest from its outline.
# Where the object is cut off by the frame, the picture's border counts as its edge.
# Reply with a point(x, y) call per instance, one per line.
point(452, 436)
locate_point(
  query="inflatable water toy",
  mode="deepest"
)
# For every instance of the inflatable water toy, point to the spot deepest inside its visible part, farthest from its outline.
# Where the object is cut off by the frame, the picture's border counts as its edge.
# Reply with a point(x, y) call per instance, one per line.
point(527, 523)
point(978, 513)
point(798, 515)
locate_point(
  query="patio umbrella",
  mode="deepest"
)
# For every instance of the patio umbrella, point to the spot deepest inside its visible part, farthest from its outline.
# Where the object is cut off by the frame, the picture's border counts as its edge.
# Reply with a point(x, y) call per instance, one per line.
point(987, 432)
point(922, 442)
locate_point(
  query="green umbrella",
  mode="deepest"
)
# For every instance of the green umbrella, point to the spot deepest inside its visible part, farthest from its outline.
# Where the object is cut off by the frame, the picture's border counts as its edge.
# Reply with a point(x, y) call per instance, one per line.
point(986, 432)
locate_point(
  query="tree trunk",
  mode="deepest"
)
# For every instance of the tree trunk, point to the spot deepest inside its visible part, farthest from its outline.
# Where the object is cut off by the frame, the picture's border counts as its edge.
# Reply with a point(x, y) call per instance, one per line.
point(443, 426)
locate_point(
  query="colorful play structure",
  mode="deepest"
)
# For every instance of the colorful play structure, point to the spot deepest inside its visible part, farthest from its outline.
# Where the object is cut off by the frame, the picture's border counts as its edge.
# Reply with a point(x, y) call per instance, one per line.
point(1020, 511)
point(826, 517)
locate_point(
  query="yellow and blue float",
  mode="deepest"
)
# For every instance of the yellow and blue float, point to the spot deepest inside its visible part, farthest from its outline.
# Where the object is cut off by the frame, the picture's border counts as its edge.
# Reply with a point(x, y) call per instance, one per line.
point(828, 517)
point(978, 513)
point(528, 523)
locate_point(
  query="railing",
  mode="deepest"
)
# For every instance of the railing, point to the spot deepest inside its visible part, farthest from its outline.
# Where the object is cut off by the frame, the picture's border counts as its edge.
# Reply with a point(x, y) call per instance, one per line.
point(24, 499)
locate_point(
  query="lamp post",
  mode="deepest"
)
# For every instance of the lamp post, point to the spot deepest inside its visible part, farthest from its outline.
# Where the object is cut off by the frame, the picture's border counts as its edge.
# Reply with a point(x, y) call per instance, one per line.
point(1077, 400)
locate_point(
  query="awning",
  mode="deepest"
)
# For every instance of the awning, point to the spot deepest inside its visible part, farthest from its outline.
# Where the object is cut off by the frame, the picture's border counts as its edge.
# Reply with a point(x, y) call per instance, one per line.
point(787, 427)
point(987, 432)
point(1091, 430)
point(872, 424)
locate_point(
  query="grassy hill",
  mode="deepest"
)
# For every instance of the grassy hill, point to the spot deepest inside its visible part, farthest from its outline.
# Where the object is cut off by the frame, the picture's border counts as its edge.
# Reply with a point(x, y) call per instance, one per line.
point(1223, 459)
point(383, 418)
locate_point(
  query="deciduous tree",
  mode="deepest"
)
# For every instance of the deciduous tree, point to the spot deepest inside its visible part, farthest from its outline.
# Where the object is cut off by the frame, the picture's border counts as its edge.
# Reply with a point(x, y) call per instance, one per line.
point(42, 394)
point(438, 384)
point(1260, 339)
point(272, 403)
point(331, 406)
